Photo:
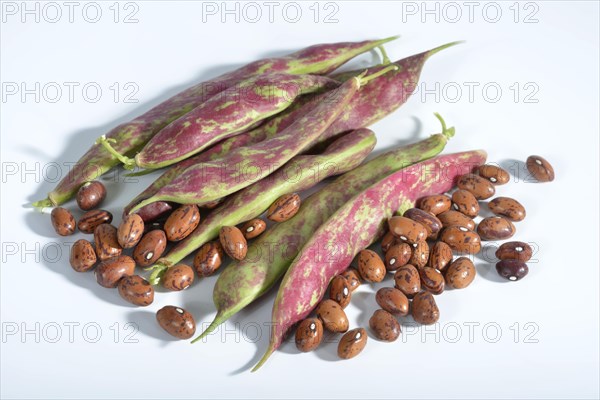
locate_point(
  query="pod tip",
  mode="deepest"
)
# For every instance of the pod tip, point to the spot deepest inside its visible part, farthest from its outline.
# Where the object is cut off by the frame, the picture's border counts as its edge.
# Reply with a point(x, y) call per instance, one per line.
point(264, 358)
point(443, 47)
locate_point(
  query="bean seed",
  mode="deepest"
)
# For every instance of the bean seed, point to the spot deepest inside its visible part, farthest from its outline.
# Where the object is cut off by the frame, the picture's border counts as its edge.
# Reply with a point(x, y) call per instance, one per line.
point(385, 326)
point(460, 273)
point(494, 174)
point(455, 218)
point(513, 270)
point(465, 202)
point(284, 208)
point(83, 256)
point(208, 259)
point(540, 169)
point(130, 231)
point(176, 321)
point(63, 221)
point(339, 291)
point(110, 271)
point(424, 309)
point(393, 301)
point(407, 280)
point(90, 195)
point(495, 228)
point(440, 256)
point(514, 251)
point(432, 280)
point(461, 239)
point(435, 204)
point(353, 278)
point(233, 242)
point(407, 230)
point(508, 208)
point(182, 222)
point(107, 244)
point(136, 290)
point(91, 219)
point(309, 334)
point(333, 316)
point(352, 343)
point(178, 277)
point(480, 187)
point(397, 256)
point(253, 228)
point(150, 248)
point(370, 266)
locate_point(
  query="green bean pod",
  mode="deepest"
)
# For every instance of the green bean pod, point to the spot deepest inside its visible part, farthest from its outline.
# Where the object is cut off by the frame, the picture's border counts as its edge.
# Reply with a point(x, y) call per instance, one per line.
point(300, 173)
point(131, 136)
point(271, 253)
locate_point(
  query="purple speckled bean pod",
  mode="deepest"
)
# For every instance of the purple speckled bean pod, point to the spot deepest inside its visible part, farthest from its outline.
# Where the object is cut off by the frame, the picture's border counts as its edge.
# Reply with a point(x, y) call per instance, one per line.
point(355, 226)
point(131, 136)
point(205, 182)
point(374, 100)
point(300, 173)
point(226, 114)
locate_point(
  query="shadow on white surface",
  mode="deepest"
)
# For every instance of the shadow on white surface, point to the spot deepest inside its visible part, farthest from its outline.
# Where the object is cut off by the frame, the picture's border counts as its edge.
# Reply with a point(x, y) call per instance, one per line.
point(146, 321)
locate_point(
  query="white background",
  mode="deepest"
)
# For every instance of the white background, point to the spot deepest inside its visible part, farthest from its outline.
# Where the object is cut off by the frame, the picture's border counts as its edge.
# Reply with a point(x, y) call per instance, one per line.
point(171, 47)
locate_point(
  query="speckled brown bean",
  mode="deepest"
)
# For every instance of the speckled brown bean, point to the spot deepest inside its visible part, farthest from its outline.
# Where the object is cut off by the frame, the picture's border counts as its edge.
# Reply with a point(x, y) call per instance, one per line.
point(432, 280)
point(150, 248)
point(370, 266)
point(407, 230)
point(108, 272)
point(339, 291)
point(393, 301)
point(513, 270)
point(83, 256)
point(388, 241)
point(461, 239)
point(480, 187)
point(514, 251)
point(178, 277)
point(464, 202)
point(460, 273)
point(130, 231)
point(455, 218)
point(208, 258)
point(233, 242)
point(352, 343)
point(253, 228)
point(90, 195)
point(435, 204)
point(407, 280)
point(91, 219)
point(333, 316)
point(397, 256)
point(495, 228)
point(176, 321)
point(353, 278)
point(431, 223)
point(420, 254)
point(424, 309)
point(309, 334)
point(440, 256)
point(494, 174)
point(63, 221)
point(540, 169)
point(384, 325)
point(182, 222)
point(107, 244)
point(508, 208)
point(284, 208)
point(136, 290)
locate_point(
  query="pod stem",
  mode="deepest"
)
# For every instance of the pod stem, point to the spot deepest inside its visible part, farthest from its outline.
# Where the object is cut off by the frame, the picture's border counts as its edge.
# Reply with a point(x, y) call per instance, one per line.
point(41, 204)
point(385, 59)
point(448, 132)
point(264, 358)
point(158, 270)
point(363, 78)
point(218, 320)
point(128, 163)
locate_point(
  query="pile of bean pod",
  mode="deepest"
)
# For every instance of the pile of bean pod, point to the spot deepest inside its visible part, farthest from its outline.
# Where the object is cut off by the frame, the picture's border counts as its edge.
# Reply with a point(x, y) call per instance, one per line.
point(419, 249)
point(301, 115)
